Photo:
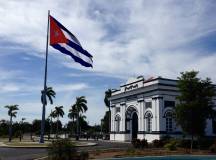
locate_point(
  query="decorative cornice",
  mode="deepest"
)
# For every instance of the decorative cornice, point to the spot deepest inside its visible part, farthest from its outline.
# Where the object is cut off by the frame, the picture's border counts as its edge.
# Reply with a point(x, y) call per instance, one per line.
point(159, 97)
point(131, 87)
point(160, 132)
point(140, 99)
point(120, 132)
point(122, 103)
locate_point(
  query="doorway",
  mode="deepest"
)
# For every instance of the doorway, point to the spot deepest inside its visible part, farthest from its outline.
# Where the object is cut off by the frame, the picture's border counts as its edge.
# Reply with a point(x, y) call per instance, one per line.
point(134, 125)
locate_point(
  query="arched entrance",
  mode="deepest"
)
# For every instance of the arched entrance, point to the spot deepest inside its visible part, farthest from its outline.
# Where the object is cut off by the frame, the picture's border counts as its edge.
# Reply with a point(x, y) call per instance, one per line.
point(131, 122)
point(134, 125)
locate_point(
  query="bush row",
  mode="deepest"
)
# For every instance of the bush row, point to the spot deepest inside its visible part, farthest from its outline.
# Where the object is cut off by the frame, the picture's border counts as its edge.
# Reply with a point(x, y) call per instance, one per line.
point(173, 144)
point(64, 149)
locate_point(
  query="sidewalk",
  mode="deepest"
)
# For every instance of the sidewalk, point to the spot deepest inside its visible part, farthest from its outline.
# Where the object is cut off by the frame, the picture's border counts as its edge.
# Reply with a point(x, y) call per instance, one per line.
point(38, 145)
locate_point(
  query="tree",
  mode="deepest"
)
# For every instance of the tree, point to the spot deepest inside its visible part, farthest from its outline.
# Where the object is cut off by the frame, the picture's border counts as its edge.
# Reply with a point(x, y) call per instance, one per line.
point(195, 104)
point(52, 115)
point(12, 112)
point(4, 127)
point(59, 113)
point(108, 94)
point(22, 128)
point(80, 106)
point(105, 122)
point(50, 93)
point(72, 115)
point(82, 123)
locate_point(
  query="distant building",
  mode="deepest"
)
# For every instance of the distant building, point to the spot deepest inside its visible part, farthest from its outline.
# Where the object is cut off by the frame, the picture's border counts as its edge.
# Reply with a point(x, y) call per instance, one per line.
point(144, 109)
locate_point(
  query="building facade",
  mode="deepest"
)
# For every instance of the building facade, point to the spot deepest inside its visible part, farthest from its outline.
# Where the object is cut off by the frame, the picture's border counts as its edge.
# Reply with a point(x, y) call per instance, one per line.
point(143, 109)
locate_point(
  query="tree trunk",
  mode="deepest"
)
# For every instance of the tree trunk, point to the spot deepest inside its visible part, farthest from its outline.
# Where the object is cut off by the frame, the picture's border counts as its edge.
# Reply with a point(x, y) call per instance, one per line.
point(109, 120)
point(50, 133)
point(10, 129)
point(31, 134)
point(72, 127)
point(192, 137)
point(57, 127)
point(77, 137)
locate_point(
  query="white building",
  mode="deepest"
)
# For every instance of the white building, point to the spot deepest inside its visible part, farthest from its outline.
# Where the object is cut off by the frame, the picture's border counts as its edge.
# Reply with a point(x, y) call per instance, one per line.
point(144, 109)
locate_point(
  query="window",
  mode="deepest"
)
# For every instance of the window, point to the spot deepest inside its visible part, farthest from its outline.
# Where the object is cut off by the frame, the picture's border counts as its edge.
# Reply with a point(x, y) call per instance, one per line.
point(117, 123)
point(169, 122)
point(117, 109)
point(148, 104)
point(149, 124)
point(169, 104)
point(148, 117)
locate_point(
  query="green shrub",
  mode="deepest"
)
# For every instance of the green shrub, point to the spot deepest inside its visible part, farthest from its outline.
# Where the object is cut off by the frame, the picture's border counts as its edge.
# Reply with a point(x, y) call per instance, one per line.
point(84, 155)
point(212, 148)
point(137, 143)
point(184, 143)
point(144, 143)
point(62, 150)
point(158, 143)
point(204, 143)
point(172, 145)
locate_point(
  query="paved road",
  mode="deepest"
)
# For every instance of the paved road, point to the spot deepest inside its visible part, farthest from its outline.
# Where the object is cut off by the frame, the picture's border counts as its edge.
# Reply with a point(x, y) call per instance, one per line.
point(29, 153)
point(21, 153)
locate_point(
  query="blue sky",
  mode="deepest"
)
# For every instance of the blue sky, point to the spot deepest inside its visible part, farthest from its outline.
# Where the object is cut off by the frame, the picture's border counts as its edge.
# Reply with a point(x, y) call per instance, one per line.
point(126, 38)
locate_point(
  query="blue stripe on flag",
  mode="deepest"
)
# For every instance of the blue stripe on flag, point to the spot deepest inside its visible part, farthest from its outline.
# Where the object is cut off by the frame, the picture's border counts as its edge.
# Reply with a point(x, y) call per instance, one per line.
point(78, 48)
point(76, 59)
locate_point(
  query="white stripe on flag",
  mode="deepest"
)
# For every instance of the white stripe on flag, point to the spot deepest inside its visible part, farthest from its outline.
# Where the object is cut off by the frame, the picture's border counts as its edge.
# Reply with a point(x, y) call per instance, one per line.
point(76, 53)
point(67, 35)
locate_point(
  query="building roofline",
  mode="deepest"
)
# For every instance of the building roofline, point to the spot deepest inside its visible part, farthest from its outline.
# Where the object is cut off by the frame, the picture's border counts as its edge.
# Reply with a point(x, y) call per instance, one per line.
point(146, 81)
point(132, 82)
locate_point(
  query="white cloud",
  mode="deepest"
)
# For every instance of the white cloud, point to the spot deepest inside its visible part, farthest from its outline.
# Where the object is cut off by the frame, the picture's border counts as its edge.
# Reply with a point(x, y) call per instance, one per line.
point(70, 87)
point(125, 37)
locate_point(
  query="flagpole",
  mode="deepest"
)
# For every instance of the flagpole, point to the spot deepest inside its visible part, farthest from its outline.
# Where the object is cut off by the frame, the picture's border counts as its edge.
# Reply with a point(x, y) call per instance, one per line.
point(45, 87)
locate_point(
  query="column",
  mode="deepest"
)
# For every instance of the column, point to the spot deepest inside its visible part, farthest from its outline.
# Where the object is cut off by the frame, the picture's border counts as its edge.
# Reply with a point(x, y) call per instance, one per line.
point(160, 120)
point(112, 119)
point(123, 107)
point(140, 114)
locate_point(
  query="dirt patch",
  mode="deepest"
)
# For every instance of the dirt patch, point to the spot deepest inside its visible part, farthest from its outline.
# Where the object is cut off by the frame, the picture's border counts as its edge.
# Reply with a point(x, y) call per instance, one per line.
point(142, 152)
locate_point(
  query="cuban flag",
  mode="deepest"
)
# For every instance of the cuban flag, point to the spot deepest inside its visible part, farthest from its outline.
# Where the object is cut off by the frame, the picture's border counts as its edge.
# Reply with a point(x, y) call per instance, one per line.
point(64, 41)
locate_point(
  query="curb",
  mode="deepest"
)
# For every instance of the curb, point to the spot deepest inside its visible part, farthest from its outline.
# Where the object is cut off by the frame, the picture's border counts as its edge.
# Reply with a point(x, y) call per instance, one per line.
point(6, 146)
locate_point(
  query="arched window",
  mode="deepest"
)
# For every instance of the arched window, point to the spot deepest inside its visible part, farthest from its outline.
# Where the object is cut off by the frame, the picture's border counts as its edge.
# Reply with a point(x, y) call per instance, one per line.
point(169, 121)
point(117, 123)
point(148, 116)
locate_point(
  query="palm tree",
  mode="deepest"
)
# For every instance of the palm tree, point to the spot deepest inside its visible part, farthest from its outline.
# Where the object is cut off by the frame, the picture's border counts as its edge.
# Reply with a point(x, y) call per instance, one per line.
point(80, 106)
point(82, 119)
point(52, 115)
point(22, 128)
point(12, 111)
point(50, 93)
point(58, 113)
point(108, 94)
point(72, 114)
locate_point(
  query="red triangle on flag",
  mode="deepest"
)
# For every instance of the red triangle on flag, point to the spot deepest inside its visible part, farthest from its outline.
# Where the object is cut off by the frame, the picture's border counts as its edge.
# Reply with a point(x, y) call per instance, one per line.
point(56, 34)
